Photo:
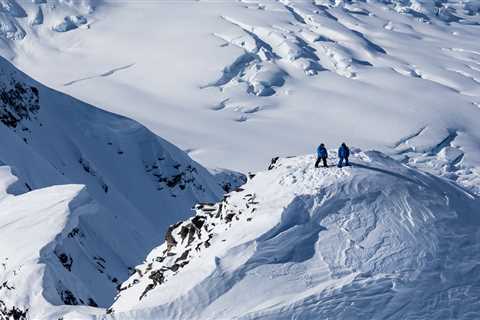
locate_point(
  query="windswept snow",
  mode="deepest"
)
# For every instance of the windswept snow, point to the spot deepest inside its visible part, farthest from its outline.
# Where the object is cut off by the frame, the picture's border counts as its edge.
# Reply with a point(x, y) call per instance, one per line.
point(373, 241)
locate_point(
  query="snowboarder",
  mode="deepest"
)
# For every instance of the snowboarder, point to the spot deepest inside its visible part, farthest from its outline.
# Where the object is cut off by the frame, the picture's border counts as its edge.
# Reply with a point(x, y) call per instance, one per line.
point(322, 155)
point(343, 154)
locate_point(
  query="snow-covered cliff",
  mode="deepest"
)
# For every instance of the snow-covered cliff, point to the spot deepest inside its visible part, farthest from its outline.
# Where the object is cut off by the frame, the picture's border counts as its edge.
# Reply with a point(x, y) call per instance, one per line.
point(79, 242)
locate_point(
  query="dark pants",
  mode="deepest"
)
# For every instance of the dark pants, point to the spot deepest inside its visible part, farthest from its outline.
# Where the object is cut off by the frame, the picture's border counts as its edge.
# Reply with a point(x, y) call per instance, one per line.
point(340, 162)
point(324, 161)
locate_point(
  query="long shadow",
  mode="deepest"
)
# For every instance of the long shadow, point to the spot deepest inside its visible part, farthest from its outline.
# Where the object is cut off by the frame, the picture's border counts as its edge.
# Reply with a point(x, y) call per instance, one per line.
point(232, 70)
point(101, 75)
point(391, 173)
point(370, 44)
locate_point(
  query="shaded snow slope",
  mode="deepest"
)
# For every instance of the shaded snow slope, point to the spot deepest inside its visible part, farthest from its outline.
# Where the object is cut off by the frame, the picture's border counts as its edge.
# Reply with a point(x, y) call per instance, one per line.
point(235, 82)
point(122, 163)
point(373, 241)
point(136, 185)
point(38, 252)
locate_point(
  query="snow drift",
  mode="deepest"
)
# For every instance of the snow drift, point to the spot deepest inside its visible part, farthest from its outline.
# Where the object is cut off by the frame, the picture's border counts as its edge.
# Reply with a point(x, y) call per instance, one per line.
point(85, 194)
point(373, 241)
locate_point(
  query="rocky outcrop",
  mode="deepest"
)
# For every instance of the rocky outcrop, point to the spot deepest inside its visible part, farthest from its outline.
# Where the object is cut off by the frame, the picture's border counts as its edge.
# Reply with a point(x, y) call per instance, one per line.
point(18, 102)
point(12, 313)
point(303, 242)
point(186, 240)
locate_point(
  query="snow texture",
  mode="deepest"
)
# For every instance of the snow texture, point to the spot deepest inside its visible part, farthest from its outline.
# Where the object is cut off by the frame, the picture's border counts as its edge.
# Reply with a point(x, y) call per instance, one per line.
point(95, 209)
point(373, 241)
point(253, 79)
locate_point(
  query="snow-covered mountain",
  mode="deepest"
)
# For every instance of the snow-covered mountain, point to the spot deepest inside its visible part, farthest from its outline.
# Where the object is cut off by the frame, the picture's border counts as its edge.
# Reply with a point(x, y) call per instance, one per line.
point(374, 241)
point(96, 210)
point(85, 195)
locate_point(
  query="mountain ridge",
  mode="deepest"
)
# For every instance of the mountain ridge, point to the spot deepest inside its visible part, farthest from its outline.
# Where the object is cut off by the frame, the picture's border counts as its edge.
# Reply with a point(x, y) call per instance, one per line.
point(50, 141)
point(108, 201)
point(310, 242)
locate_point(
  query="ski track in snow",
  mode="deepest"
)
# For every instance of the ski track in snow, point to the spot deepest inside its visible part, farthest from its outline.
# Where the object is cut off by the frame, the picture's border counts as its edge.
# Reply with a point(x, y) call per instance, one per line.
point(101, 75)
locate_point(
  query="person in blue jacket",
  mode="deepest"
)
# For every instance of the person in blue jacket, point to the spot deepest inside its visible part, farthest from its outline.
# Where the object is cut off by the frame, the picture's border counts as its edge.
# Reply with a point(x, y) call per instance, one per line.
point(343, 154)
point(322, 155)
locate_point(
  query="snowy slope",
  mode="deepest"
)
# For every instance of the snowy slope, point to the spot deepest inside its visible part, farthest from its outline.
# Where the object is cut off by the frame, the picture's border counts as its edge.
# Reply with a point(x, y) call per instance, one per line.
point(80, 242)
point(235, 82)
point(374, 241)
point(121, 162)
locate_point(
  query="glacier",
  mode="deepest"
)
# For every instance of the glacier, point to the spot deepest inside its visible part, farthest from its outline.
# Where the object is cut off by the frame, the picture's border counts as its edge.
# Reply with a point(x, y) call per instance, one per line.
point(274, 76)
point(134, 137)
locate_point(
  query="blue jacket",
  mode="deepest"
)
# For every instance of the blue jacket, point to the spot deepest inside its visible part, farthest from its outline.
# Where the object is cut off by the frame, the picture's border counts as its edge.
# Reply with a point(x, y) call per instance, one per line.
point(343, 152)
point(322, 152)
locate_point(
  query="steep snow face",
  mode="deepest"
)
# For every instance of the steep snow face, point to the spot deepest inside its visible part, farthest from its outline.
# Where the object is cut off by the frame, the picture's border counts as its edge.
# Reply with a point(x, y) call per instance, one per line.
point(373, 241)
point(66, 245)
point(259, 78)
point(121, 162)
point(36, 229)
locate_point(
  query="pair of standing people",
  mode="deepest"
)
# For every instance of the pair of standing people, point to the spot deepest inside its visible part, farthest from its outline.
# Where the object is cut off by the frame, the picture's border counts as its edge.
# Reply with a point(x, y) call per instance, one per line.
point(343, 154)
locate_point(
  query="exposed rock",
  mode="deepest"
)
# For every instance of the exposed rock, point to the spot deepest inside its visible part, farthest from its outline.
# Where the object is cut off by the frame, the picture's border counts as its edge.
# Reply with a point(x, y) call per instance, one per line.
point(68, 298)
point(14, 313)
point(169, 238)
point(65, 260)
point(70, 23)
point(272, 163)
point(18, 102)
point(199, 231)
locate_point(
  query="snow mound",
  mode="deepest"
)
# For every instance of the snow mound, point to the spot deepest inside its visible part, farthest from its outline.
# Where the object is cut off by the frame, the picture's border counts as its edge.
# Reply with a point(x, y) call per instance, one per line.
point(373, 241)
